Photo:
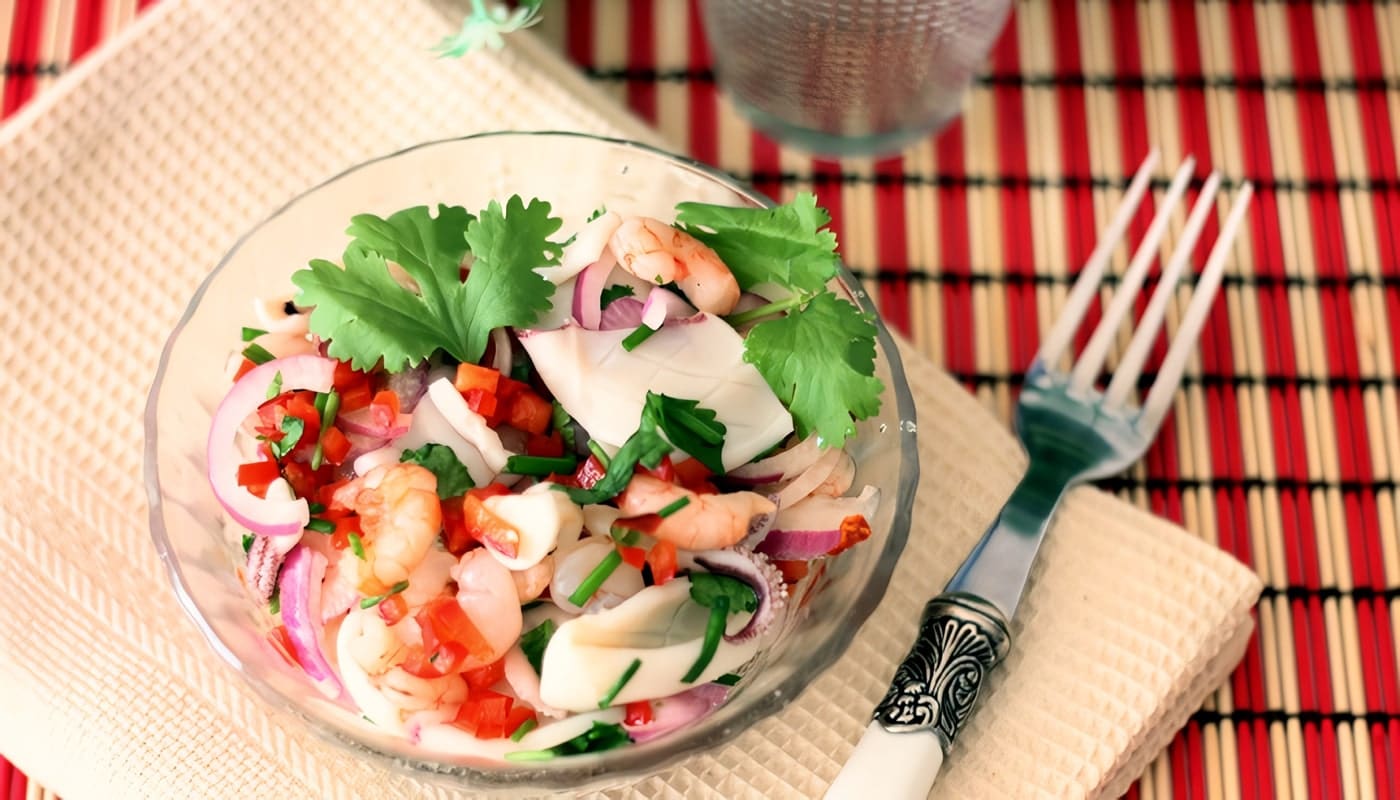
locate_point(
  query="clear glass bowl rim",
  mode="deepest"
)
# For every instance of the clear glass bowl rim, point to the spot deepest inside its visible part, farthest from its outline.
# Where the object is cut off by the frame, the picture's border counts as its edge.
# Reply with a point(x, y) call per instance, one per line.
point(577, 773)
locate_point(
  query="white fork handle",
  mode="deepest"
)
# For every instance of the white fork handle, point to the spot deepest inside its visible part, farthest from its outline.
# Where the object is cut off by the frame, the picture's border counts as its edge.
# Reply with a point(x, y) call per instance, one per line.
point(898, 766)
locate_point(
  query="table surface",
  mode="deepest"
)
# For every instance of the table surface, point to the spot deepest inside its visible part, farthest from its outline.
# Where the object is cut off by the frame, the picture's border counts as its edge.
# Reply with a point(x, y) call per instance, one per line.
point(1284, 448)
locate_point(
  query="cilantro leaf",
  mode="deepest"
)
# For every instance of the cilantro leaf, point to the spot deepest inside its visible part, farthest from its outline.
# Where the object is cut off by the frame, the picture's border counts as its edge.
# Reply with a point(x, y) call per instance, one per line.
point(691, 428)
point(707, 587)
point(783, 245)
point(292, 429)
point(534, 641)
point(452, 477)
point(503, 288)
point(367, 315)
point(820, 361)
point(645, 447)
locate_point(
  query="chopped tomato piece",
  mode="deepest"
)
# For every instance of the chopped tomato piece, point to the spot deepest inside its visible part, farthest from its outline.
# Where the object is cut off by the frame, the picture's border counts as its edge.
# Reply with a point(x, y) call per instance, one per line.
point(443, 620)
point(793, 571)
point(665, 470)
point(662, 558)
point(589, 472)
point(487, 676)
point(854, 530)
point(334, 446)
point(472, 376)
point(485, 714)
point(482, 402)
point(634, 556)
point(551, 446)
point(393, 609)
point(528, 411)
point(258, 473)
point(638, 713)
point(244, 368)
point(455, 537)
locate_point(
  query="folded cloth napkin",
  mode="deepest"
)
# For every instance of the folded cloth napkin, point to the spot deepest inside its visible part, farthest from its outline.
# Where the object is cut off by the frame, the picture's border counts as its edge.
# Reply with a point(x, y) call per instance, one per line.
point(121, 188)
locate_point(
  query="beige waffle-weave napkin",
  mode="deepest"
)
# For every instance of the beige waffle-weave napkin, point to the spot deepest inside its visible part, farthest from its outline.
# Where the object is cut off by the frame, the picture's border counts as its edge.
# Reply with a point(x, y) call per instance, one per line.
point(120, 189)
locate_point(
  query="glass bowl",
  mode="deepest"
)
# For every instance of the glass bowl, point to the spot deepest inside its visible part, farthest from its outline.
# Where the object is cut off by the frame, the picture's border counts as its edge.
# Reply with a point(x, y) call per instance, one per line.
point(201, 547)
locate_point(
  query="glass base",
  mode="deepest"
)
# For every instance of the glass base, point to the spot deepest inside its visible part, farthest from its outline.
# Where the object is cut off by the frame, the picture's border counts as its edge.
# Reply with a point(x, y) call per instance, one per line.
point(836, 145)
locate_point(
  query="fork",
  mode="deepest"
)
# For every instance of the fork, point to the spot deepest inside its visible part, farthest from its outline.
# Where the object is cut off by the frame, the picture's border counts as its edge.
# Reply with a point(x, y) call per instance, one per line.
point(1072, 432)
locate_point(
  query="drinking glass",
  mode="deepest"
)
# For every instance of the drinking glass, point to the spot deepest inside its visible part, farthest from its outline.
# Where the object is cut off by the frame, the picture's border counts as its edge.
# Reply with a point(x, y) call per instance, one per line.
point(850, 77)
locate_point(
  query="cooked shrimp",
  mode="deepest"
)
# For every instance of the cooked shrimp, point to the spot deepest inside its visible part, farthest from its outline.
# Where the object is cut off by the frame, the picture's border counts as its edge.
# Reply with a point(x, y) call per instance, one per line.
point(400, 516)
point(531, 583)
point(486, 592)
point(706, 522)
point(657, 252)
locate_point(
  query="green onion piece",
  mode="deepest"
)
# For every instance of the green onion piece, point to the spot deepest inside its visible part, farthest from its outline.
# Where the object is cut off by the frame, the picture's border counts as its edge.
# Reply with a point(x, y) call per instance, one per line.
point(274, 605)
point(257, 354)
point(321, 525)
point(372, 601)
point(636, 337)
point(315, 508)
point(595, 578)
point(625, 536)
point(521, 368)
point(621, 682)
point(539, 466)
point(249, 334)
point(709, 432)
point(561, 420)
point(525, 727)
point(728, 679)
point(600, 454)
point(328, 404)
point(247, 542)
point(356, 545)
point(674, 506)
point(530, 755)
point(275, 388)
point(714, 631)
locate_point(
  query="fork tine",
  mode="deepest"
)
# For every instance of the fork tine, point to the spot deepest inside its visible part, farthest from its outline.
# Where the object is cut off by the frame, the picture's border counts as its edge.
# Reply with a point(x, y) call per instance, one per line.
point(1087, 366)
point(1159, 399)
point(1058, 338)
point(1130, 366)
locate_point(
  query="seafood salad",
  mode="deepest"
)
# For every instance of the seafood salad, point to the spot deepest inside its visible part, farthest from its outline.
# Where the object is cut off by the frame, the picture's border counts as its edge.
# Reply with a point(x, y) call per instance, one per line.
point(517, 496)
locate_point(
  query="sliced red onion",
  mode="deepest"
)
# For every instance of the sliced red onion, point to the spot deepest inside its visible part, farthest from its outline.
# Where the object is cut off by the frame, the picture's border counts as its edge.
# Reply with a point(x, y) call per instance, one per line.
point(679, 710)
point(789, 545)
point(359, 445)
point(410, 385)
point(263, 517)
point(758, 572)
point(588, 293)
point(809, 479)
point(300, 596)
point(502, 359)
point(781, 465)
point(373, 421)
point(662, 305)
point(624, 312)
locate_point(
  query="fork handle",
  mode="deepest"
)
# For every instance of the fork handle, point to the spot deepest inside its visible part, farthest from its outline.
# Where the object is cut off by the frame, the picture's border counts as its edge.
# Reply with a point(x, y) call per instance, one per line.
point(934, 690)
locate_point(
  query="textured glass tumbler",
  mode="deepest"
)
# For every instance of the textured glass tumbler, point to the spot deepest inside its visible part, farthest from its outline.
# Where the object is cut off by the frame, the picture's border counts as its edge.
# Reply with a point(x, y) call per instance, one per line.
point(850, 77)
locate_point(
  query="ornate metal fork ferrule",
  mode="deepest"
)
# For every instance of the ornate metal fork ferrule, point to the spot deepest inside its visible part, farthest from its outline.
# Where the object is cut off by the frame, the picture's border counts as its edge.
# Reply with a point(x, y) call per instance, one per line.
point(961, 637)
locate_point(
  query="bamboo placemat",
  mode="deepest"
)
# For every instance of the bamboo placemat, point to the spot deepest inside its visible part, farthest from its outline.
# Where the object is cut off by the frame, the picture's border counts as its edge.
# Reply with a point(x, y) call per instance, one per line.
point(1285, 443)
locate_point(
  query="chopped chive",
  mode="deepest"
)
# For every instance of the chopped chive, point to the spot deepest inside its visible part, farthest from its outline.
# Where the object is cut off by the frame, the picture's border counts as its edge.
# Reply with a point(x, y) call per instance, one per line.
point(714, 631)
point(674, 506)
point(357, 546)
point(530, 755)
point(371, 602)
point(274, 605)
point(328, 404)
point(275, 388)
point(625, 536)
point(728, 679)
point(321, 525)
point(257, 354)
point(315, 508)
point(247, 542)
point(539, 466)
point(249, 334)
point(636, 337)
point(598, 453)
point(621, 682)
point(708, 431)
point(523, 728)
point(595, 578)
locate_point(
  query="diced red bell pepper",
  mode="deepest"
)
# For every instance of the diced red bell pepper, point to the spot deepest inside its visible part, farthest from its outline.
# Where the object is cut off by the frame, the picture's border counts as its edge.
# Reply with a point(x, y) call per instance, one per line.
point(528, 412)
point(356, 395)
point(518, 716)
point(854, 530)
point(258, 474)
point(473, 376)
point(695, 476)
point(345, 375)
point(487, 676)
point(662, 558)
point(638, 713)
point(484, 714)
point(486, 527)
point(483, 403)
point(589, 472)
point(244, 368)
point(334, 446)
point(443, 620)
point(344, 526)
point(455, 537)
point(551, 446)
point(393, 609)
point(635, 556)
point(305, 481)
point(664, 470)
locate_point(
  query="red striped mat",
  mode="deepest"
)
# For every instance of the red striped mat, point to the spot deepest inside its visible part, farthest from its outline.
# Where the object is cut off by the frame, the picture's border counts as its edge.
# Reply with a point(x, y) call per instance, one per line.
point(1285, 445)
